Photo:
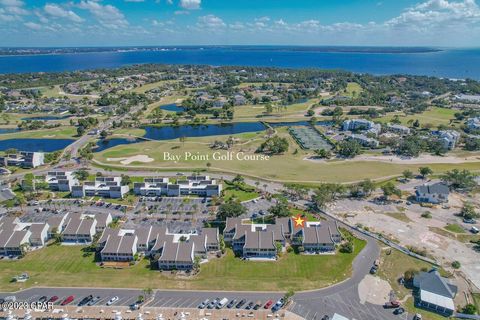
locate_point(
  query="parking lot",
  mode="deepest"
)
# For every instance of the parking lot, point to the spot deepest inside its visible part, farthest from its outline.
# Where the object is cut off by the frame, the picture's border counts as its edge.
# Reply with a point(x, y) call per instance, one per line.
point(161, 299)
point(258, 207)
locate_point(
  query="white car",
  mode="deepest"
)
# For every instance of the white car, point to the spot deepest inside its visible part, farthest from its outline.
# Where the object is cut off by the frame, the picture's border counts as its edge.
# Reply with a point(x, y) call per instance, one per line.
point(112, 301)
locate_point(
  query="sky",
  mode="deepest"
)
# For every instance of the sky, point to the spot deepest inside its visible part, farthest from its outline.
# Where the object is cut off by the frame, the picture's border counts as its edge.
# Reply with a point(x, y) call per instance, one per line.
point(443, 23)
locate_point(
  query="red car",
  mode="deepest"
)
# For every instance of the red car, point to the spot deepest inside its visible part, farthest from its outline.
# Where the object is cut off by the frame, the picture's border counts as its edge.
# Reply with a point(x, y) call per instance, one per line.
point(268, 304)
point(67, 300)
point(53, 299)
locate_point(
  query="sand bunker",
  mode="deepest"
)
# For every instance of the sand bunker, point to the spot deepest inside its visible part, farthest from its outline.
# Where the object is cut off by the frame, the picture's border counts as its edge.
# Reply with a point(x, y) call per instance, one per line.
point(138, 158)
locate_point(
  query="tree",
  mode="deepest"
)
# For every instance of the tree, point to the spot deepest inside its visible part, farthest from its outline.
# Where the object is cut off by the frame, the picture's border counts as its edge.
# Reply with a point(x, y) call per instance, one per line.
point(323, 153)
point(456, 264)
point(81, 174)
point(468, 211)
point(409, 275)
point(327, 193)
point(425, 171)
point(407, 174)
point(280, 209)
point(367, 186)
point(238, 180)
point(274, 145)
point(346, 247)
point(349, 148)
point(103, 134)
point(80, 131)
point(389, 189)
point(469, 309)
point(126, 180)
point(268, 108)
point(230, 209)
point(457, 179)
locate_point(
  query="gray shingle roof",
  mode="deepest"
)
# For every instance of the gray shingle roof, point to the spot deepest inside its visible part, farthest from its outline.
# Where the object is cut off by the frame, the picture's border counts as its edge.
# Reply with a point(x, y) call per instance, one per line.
point(432, 282)
point(436, 188)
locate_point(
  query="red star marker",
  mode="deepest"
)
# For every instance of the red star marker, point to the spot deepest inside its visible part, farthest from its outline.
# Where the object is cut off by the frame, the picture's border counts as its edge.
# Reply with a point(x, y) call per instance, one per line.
point(299, 221)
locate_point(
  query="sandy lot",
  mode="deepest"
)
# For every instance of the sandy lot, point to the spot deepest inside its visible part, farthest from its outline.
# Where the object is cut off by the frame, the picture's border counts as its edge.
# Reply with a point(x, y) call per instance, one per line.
point(405, 224)
point(138, 158)
point(374, 290)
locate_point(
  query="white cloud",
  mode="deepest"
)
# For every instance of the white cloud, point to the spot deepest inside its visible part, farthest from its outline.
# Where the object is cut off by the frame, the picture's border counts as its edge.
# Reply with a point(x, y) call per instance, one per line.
point(190, 4)
point(33, 25)
point(437, 13)
point(210, 22)
point(59, 12)
point(107, 15)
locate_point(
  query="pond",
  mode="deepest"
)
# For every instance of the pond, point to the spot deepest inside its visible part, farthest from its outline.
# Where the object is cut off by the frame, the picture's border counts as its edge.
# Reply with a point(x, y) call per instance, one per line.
point(35, 145)
point(172, 107)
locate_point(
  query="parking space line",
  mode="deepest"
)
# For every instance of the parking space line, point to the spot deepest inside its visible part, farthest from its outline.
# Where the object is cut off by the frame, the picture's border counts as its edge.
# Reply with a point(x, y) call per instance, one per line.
point(165, 303)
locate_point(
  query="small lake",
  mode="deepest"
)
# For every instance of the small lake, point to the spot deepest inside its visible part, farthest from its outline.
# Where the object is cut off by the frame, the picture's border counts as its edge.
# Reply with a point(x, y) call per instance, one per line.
point(35, 145)
point(46, 118)
point(172, 107)
point(172, 133)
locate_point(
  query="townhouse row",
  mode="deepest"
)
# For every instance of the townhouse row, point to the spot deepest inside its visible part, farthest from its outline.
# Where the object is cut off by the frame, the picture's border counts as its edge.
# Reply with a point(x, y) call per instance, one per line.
point(17, 238)
point(261, 241)
point(170, 251)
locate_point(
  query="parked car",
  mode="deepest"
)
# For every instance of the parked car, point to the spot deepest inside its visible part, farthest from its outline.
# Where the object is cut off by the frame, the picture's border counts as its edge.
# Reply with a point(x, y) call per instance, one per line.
point(222, 303)
point(112, 301)
point(212, 304)
point(93, 301)
point(53, 299)
point(257, 305)
point(85, 300)
point(43, 299)
point(474, 230)
point(231, 304)
point(203, 304)
point(250, 305)
point(470, 221)
point(67, 300)
point(373, 270)
point(399, 311)
point(240, 304)
point(268, 304)
point(134, 306)
point(10, 299)
point(417, 316)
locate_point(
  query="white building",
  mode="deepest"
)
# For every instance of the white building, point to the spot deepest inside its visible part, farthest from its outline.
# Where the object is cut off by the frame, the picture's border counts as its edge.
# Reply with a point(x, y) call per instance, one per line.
point(473, 123)
point(449, 138)
point(61, 180)
point(364, 140)
point(361, 125)
point(398, 129)
point(194, 185)
point(106, 187)
point(23, 159)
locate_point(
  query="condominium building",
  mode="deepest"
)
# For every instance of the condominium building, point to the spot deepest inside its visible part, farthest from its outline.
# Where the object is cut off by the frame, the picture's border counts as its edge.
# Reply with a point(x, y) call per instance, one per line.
point(106, 187)
point(61, 180)
point(23, 159)
point(194, 185)
point(361, 125)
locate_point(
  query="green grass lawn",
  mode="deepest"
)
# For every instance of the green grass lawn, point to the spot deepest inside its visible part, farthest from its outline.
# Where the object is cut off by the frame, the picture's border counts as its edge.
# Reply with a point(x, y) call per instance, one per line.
point(434, 116)
point(240, 195)
point(67, 266)
point(64, 132)
point(289, 167)
point(455, 228)
point(476, 298)
point(353, 90)
point(138, 132)
point(426, 315)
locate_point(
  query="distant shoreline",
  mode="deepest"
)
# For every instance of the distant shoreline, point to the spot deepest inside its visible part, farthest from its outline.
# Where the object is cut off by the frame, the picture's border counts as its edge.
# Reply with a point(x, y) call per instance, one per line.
point(24, 51)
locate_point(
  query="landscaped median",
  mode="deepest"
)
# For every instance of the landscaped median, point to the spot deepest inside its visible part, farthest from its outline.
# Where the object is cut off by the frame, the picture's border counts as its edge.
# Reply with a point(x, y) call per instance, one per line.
point(58, 266)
